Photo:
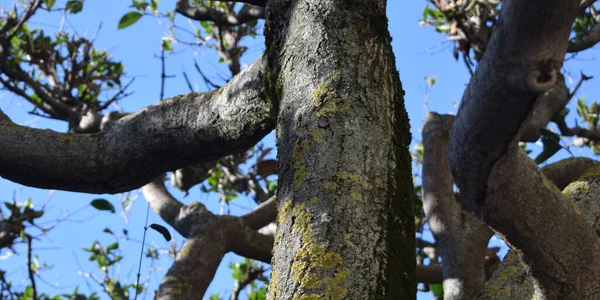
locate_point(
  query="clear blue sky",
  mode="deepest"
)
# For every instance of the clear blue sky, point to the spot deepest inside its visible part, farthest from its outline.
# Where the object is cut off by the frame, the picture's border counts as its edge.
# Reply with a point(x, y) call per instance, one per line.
point(420, 53)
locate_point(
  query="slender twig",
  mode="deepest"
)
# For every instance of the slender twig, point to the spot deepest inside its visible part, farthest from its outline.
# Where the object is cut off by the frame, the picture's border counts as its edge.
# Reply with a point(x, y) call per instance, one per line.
point(187, 80)
point(137, 283)
point(163, 75)
point(206, 80)
point(581, 80)
point(30, 268)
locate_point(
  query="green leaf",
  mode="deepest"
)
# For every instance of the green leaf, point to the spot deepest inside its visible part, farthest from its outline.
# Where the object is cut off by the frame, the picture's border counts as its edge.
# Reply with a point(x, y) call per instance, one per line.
point(129, 19)
point(112, 246)
point(106, 230)
point(28, 294)
point(214, 297)
point(74, 6)
point(49, 3)
point(431, 81)
point(437, 289)
point(162, 230)
point(9, 205)
point(102, 204)
point(166, 45)
point(153, 5)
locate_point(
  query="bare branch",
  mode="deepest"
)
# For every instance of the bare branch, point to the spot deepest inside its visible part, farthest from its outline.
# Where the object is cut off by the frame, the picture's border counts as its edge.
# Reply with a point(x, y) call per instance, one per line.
point(204, 13)
point(429, 274)
point(262, 215)
point(462, 237)
point(588, 41)
point(30, 270)
point(495, 177)
point(194, 268)
point(564, 172)
point(193, 128)
point(161, 201)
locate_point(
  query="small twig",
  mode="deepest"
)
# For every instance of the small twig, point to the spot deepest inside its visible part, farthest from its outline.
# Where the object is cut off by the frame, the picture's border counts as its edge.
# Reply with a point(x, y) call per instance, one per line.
point(206, 80)
point(468, 63)
point(581, 80)
point(187, 80)
point(163, 75)
point(137, 283)
point(30, 269)
point(117, 96)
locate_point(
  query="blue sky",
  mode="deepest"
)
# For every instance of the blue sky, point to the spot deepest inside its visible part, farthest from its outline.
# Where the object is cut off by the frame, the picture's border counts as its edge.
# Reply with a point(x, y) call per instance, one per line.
point(420, 53)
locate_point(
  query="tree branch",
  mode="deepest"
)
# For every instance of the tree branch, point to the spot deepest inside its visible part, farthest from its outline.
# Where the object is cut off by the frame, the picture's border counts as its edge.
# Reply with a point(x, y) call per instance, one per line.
point(564, 172)
point(262, 215)
point(161, 201)
point(462, 237)
point(496, 178)
point(192, 128)
point(204, 13)
point(588, 41)
point(194, 268)
point(429, 274)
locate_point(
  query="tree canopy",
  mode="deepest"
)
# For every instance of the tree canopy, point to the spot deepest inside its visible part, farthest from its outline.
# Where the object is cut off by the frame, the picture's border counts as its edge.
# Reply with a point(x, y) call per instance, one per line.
point(337, 210)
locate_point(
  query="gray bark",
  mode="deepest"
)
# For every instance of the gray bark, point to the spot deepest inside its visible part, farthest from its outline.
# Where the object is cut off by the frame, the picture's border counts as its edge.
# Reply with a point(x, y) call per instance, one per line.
point(209, 238)
point(345, 229)
point(496, 181)
point(511, 281)
point(461, 236)
point(177, 132)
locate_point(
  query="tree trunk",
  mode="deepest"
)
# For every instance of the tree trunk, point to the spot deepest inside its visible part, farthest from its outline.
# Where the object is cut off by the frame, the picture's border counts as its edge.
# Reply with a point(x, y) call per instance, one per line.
point(345, 225)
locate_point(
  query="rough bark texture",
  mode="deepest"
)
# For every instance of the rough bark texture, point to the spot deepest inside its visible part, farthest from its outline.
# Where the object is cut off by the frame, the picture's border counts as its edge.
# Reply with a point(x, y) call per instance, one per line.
point(511, 281)
point(210, 237)
point(494, 176)
point(177, 132)
point(461, 236)
point(345, 228)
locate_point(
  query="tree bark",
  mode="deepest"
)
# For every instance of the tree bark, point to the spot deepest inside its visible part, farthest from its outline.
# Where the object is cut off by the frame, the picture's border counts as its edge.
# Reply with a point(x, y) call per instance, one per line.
point(345, 225)
point(461, 236)
point(496, 179)
point(177, 132)
point(512, 281)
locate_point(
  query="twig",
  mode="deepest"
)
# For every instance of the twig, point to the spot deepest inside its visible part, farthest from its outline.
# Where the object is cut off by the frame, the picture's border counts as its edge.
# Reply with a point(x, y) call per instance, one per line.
point(30, 269)
point(163, 75)
point(137, 283)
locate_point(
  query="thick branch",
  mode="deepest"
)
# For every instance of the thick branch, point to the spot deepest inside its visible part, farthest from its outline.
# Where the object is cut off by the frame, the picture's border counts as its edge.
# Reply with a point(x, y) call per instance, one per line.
point(252, 244)
point(204, 13)
point(494, 175)
point(429, 274)
point(161, 201)
point(564, 172)
point(551, 103)
point(262, 215)
point(462, 237)
point(588, 41)
point(507, 82)
point(193, 269)
point(183, 130)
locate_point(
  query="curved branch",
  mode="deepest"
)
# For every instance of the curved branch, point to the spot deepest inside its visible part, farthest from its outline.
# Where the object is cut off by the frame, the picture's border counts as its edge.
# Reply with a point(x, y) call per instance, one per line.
point(509, 79)
point(564, 172)
point(429, 274)
point(462, 237)
point(262, 215)
point(588, 41)
point(194, 268)
point(161, 201)
point(177, 132)
point(204, 13)
point(496, 178)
